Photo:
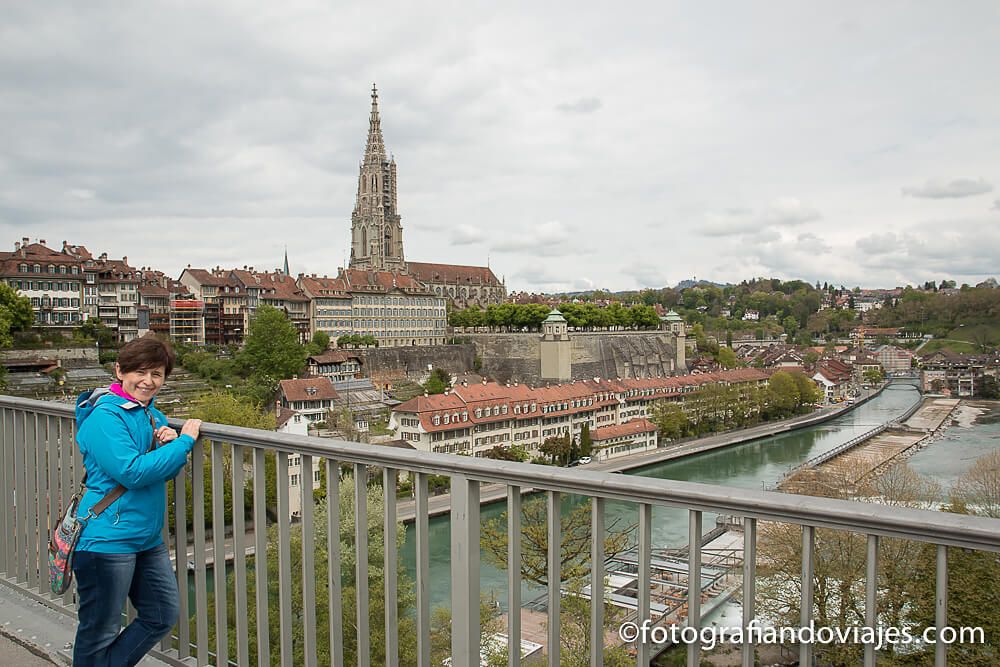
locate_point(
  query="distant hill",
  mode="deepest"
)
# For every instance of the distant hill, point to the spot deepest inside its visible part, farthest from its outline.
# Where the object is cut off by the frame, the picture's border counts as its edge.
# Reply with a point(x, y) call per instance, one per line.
point(685, 284)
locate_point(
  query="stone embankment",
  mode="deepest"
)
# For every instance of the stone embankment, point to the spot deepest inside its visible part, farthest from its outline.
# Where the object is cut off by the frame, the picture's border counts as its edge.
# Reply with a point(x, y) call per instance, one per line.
point(870, 454)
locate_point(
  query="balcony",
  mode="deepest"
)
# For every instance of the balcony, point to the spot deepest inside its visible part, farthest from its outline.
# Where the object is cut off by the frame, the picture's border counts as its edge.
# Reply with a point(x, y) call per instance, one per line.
point(39, 463)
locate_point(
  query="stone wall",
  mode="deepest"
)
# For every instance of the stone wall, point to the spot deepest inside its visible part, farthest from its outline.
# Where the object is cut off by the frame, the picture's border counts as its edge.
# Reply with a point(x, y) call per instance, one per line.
point(69, 357)
point(410, 362)
point(509, 357)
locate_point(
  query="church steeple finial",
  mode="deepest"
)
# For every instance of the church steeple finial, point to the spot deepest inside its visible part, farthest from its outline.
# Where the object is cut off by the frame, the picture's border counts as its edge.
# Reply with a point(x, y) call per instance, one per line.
point(375, 149)
point(286, 260)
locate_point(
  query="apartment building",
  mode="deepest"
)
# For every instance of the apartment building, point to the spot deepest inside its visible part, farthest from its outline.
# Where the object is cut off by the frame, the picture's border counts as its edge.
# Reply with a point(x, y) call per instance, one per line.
point(474, 418)
point(330, 304)
point(52, 280)
point(395, 308)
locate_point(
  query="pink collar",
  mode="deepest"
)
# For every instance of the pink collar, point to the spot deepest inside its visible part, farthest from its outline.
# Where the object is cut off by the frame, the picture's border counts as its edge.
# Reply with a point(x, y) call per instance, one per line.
point(117, 389)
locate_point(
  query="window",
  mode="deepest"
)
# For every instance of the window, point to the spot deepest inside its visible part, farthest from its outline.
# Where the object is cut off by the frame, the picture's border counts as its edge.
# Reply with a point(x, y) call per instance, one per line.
point(22, 268)
point(294, 480)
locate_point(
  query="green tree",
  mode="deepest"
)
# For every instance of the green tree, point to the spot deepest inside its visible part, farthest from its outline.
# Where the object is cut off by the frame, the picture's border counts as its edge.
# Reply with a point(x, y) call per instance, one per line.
point(558, 448)
point(575, 541)
point(272, 351)
point(873, 375)
point(376, 549)
point(727, 358)
point(222, 407)
point(438, 382)
point(586, 441)
point(15, 314)
point(320, 341)
point(782, 395)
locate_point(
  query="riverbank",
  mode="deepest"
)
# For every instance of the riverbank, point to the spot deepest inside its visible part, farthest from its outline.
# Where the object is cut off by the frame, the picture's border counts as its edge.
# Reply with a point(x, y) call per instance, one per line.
point(493, 493)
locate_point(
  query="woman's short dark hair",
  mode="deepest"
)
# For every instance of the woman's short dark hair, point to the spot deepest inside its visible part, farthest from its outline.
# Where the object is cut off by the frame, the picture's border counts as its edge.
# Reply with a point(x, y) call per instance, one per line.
point(145, 352)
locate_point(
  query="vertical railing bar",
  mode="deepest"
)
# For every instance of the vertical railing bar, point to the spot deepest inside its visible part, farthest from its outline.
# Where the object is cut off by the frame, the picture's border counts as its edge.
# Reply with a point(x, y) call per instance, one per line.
point(240, 554)
point(306, 502)
point(6, 490)
point(805, 611)
point(749, 586)
point(54, 444)
point(871, 596)
point(181, 561)
point(71, 473)
point(361, 562)
point(165, 642)
point(31, 497)
point(284, 562)
point(554, 575)
point(422, 529)
point(200, 566)
point(333, 574)
point(513, 576)
point(941, 605)
point(694, 583)
point(260, 556)
point(465, 586)
point(219, 594)
point(644, 556)
point(40, 548)
point(21, 509)
point(597, 582)
point(390, 557)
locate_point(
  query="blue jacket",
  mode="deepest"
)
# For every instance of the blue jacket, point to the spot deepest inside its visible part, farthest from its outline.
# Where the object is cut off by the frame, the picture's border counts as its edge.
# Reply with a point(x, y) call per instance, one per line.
point(114, 435)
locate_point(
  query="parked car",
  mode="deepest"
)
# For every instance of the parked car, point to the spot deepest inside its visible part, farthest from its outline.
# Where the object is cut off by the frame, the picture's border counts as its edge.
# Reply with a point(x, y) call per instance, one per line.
point(584, 460)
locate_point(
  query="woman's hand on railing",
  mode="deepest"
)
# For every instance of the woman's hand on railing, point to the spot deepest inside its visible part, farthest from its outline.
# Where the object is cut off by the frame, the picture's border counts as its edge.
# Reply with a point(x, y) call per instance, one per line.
point(192, 427)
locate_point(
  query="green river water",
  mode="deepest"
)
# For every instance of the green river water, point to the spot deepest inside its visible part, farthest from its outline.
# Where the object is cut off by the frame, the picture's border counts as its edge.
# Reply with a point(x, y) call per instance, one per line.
point(750, 466)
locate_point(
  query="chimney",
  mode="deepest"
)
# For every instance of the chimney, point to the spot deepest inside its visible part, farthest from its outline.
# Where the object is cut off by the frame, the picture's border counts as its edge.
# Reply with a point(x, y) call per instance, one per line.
point(41, 241)
point(65, 246)
point(25, 240)
point(17, 246)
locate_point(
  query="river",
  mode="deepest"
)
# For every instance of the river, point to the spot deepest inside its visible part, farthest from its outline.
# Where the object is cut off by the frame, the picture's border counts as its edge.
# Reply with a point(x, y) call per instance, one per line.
point(753, 465)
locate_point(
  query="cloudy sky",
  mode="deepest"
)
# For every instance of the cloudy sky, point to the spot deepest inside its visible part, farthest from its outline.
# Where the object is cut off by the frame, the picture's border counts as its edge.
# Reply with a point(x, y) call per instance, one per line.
point(570, 145)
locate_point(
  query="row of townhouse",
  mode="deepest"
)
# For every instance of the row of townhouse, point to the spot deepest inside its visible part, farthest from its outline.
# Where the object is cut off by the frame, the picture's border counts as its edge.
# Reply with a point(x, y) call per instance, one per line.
point(70, 286)
point(474, 418)
point(394, 308)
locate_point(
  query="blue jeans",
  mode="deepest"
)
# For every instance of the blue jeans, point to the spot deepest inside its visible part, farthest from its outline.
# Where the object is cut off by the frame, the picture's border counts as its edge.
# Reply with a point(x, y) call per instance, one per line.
point(103, 581)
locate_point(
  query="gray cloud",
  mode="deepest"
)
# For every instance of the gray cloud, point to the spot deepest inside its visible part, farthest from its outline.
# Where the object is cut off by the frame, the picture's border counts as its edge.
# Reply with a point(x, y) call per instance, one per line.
point(583, 105)
point(645, 274)
point(220, 135)
point(954, 189)
point(781, 213)
point(877, 244)
point(466, 235)
point(996, 205)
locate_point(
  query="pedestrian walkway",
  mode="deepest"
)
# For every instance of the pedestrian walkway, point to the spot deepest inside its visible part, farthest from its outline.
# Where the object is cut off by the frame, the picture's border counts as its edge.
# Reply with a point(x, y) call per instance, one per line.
point(34, 635)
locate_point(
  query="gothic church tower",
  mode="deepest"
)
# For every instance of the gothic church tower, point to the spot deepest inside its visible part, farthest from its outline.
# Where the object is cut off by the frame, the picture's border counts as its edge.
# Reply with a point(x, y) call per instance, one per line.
point(376, 230)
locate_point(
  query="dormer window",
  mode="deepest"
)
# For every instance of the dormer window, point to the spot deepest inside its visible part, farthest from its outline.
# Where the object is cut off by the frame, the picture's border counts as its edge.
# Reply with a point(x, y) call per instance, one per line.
point(479, 413)
point(22, 268)
point(437, 420)
point(311, 391)
point(446, 419)
point(503, 409)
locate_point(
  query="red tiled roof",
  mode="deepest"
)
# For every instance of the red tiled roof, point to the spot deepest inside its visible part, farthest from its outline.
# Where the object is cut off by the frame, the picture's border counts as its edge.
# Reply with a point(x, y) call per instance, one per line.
point(380, 281)
point(456, 274)
point(299, 390)
point(634, 427)
point(549, 401)
point(323, 287)
point(206, 277)
point(279, 286)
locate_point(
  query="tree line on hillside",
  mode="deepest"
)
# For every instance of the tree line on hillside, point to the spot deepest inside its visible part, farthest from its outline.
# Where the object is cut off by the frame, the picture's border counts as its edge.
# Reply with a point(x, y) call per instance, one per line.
point(938, 313)
point(585, 316)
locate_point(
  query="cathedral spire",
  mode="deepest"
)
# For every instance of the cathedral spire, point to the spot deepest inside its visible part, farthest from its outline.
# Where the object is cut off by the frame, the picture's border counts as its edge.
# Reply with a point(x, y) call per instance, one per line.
point(286, 260)
point(375, 149)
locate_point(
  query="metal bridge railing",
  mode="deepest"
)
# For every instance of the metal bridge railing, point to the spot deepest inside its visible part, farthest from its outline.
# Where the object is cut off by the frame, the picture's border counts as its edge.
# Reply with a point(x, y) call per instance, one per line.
point(40, 466)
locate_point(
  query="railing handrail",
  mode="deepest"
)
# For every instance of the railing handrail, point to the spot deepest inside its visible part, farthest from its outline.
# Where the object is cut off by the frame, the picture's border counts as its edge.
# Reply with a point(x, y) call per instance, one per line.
point(971, 532)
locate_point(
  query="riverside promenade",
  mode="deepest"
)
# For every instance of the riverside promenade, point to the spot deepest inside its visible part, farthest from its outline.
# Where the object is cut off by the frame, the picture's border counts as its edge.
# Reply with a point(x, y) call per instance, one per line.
point(492, 493)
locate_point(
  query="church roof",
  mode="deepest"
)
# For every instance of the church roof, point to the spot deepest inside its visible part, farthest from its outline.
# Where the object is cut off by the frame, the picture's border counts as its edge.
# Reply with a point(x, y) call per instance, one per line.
point(453, 274)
